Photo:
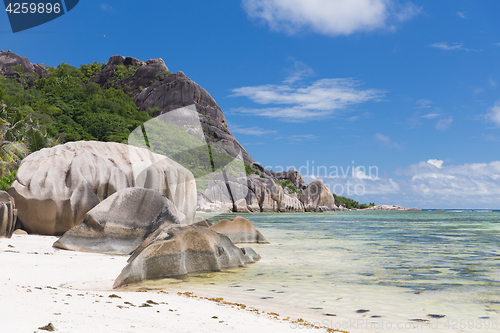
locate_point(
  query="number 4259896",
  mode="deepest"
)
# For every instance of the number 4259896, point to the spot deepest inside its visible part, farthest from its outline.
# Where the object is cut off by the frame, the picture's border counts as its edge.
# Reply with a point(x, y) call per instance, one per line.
point(32, 8)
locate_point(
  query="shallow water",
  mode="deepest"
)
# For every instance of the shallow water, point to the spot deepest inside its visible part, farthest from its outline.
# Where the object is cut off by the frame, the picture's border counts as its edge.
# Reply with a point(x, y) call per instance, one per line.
point(428, 271)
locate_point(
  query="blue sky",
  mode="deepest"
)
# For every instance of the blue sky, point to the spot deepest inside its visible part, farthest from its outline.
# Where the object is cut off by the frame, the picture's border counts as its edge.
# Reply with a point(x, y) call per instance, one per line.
point(410, 89)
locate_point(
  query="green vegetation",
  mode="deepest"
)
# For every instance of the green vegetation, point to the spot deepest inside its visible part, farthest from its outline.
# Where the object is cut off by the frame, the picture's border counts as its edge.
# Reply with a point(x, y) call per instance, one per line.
point(350, 203)
point(288, 183)
point(69, 106)
point(253, 170)
point(123, 71)
point(19, 134)
point(164, 73)
point(7, 180)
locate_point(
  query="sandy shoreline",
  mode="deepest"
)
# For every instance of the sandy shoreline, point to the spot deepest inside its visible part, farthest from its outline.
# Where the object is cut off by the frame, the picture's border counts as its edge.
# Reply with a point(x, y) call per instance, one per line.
point(73, 291)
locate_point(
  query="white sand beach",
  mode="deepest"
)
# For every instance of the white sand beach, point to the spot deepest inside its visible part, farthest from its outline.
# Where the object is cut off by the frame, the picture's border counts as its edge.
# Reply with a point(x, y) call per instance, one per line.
point(73, 291)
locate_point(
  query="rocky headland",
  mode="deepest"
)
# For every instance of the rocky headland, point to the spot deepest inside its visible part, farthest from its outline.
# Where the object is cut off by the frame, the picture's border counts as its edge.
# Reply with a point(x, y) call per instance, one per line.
point(391, 207)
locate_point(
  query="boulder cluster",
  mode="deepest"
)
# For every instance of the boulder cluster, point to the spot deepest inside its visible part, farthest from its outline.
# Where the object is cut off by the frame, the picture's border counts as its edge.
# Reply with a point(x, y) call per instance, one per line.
point(125, 199)
point(117, 199)
point(252, 193)
point(9, 61)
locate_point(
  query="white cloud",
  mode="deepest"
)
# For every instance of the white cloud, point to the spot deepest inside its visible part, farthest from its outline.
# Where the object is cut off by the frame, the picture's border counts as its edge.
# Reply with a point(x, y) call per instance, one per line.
point(300, 71)
point(492, 83)
point(450, 47)
point(254, 131)
point(299, 103)
point(437, 163)
point(494, 114)
point(476, 179)
point(424, 103)
point(444, 124)
point(384, 139)
point(302, 137)
point(360, 173)
point(105, 7)
point(329, 17)
point(461, 15)
point(429, 184)
point(430, 115)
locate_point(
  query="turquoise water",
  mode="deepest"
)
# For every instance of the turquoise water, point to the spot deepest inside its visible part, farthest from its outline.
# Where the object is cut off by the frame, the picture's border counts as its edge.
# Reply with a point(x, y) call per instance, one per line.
point(431, 271)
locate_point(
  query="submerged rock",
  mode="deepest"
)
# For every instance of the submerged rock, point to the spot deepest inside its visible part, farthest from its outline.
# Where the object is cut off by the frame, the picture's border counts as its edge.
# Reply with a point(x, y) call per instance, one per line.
point(178, 251)
point(56, 187)
point(8, 215)
point(121, 222)
point(239, 230)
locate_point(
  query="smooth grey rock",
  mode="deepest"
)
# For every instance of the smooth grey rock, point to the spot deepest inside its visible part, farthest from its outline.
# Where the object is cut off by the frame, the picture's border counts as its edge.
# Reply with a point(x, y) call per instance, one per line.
point(291, 203)
point(248, 251)
point(322, 209)
point(179, 251)
point(252, 202)
point(315, 195)
point(56, 187)
point(8, 215)
point(239, 230)
point(121, 222)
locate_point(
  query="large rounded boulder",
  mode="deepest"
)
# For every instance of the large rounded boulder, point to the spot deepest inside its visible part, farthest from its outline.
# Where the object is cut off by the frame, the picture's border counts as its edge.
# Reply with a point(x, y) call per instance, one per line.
point(317, 197)
point(121, 222)
point(8, 215)
point(56, 187)
point(239, 230)
point(178, 251)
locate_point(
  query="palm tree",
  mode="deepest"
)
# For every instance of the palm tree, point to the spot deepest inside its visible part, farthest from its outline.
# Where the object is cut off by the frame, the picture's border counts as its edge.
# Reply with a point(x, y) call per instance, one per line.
point(11, 150)
point(18, 137)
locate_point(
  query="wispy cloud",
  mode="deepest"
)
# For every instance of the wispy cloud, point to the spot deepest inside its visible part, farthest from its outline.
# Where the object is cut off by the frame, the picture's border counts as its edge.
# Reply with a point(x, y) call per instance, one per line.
point(299, 71)
point(450, 46)
point(461, 15)
point(298, 137)
point(424, 103)
point(429, 184)
point(489, 137)
point(385, 140)
point(494, 113)
point(302, 137)
point(330, 17)
point(444, 124)
point(476, 179)
point(254, 131)
point(298, 103)
point(105, 7)
point(492, 83)
point(430, 115)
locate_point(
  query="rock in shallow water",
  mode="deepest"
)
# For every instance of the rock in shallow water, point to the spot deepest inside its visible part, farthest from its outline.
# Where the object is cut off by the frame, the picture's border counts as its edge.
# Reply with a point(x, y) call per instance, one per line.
point(178, 251)
point(239, 230)
point(121, 222)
